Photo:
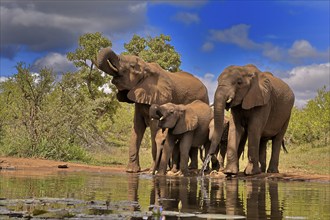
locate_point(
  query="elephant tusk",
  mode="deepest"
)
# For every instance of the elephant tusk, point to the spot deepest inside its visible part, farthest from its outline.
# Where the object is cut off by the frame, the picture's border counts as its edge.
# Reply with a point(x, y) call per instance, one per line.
point(161, 118)
point(229, 100)
point(111, 66)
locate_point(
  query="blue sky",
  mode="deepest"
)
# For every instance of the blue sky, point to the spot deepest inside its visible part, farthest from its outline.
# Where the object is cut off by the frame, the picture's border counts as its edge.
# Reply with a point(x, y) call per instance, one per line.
point(288, 38)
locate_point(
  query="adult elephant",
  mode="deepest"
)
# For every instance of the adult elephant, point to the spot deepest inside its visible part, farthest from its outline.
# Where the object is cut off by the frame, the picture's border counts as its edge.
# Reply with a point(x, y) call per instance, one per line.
point(144, 84)
point(260, 106)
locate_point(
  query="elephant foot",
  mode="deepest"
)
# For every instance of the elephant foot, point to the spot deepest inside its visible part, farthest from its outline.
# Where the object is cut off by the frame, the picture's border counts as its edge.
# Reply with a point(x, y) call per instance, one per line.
point(170, 173)
point(133, 168)
point(272, 170)
point(174, 170)
point(214, 173)
point(159, 173)
point(252, 170)
point(193, 166)
point(231, 170)
point(221, 167)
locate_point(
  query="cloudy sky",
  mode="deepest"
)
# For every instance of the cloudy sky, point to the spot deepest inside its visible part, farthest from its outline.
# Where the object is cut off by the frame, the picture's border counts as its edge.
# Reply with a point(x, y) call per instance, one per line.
point(288, 38)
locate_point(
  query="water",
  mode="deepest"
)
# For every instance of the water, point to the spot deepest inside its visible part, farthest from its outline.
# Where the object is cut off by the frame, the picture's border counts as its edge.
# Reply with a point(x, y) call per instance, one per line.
point(84, 195)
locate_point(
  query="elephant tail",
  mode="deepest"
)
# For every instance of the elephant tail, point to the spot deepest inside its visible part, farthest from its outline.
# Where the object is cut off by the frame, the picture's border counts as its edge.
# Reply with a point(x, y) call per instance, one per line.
point(284, 148)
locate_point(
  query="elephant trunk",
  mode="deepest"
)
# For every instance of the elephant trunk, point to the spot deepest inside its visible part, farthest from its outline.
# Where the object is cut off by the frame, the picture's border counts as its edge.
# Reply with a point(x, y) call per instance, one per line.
point(158, 157)
point(219, 115)
point(154, 112)
point(107, 61)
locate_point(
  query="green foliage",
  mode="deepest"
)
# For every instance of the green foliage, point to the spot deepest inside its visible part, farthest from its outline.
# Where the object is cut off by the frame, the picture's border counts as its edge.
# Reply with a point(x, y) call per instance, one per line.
point(31, 126)
point(312, 123)
point(156, 50)
point(57, 119)
point(89, 45)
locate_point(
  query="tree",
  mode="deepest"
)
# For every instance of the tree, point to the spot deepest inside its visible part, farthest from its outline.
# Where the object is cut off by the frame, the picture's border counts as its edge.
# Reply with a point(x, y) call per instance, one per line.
point(155, 49)
point(88, 47)
point(311, 123)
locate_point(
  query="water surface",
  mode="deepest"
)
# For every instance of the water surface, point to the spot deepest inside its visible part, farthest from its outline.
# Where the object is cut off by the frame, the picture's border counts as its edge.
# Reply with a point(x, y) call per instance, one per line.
point(87, 195)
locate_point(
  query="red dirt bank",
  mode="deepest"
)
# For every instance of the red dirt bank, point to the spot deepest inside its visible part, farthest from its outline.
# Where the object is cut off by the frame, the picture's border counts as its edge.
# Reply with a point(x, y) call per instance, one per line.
point(34, 166)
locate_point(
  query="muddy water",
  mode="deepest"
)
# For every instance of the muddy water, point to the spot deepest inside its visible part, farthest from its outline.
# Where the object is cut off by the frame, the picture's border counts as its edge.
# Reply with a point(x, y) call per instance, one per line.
point(85, 195)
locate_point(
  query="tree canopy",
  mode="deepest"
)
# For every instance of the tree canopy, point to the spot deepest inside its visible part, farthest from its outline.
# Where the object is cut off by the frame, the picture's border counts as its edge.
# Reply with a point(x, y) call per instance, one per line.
point(155, 49)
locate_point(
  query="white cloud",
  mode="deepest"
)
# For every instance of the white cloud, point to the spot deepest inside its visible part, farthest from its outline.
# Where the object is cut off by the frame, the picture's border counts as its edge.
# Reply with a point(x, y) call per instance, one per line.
point(207, 47)
point(302, 48)
point(237, 34)
point(58, 62)
point(273, 52)
point(105, 88)
point(186, 18)
point(3, 78)
point(306, 80)
point(211, 83)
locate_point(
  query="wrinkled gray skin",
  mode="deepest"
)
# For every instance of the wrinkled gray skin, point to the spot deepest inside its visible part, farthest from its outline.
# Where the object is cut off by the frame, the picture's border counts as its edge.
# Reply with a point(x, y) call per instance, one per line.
point(160, 139)
point(188, 124)
point(261, 107)
point(218, 163)
point(145, 84)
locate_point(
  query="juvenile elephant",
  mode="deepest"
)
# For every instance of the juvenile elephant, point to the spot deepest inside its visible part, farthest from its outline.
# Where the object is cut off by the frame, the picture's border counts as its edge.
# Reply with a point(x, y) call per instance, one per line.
point(260, 106)
point(145, 84)
point(188, 124)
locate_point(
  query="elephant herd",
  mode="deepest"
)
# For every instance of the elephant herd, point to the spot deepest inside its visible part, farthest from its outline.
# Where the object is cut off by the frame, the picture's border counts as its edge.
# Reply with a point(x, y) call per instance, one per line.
point(176, 108)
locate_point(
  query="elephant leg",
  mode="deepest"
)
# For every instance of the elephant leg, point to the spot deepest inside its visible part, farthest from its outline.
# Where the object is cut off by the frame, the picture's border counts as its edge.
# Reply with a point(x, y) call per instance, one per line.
point(193, 154)
point(263, 154)
point(234, 136)
point(276, 147)
point(176, 158)
point(253, 152)
point(214, 159)
point(241, 146)
point(185, 146)
point(221, 157)
point(166, 154)
point(136, 138)
point(155, 133)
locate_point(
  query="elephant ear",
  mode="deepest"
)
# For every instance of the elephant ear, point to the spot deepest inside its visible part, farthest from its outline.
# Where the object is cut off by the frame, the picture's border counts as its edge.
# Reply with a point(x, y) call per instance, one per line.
point(259, 92)
point(154, 88)
point(122, 96)
point(188, 121)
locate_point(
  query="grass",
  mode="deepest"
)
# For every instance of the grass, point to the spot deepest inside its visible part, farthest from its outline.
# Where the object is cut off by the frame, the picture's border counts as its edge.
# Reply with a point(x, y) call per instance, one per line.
point(306, 159)
point(119, 157)
point(300, 159)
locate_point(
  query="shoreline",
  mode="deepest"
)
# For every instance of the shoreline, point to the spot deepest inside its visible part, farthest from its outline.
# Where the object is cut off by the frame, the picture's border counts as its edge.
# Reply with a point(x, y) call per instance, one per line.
point(40, 167)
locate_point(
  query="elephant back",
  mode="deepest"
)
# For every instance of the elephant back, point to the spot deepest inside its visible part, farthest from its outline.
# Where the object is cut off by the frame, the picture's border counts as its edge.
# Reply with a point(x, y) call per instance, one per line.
point(187, 88)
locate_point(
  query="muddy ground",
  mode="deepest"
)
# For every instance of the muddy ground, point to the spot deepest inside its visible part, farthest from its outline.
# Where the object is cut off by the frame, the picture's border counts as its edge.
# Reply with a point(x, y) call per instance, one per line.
point(34, 166)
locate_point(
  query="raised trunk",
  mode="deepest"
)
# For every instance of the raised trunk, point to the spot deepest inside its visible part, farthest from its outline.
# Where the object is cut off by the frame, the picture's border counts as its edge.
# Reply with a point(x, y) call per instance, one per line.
point(107, 61)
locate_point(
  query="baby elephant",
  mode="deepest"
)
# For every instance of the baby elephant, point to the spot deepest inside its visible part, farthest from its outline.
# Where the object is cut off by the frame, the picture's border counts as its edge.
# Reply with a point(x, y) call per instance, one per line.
point(188, 125)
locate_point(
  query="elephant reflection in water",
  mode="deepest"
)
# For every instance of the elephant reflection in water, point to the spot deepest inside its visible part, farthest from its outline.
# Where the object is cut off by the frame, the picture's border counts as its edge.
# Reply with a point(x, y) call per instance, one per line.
point(218, 196)
point(133, 188)
point(167, 192)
